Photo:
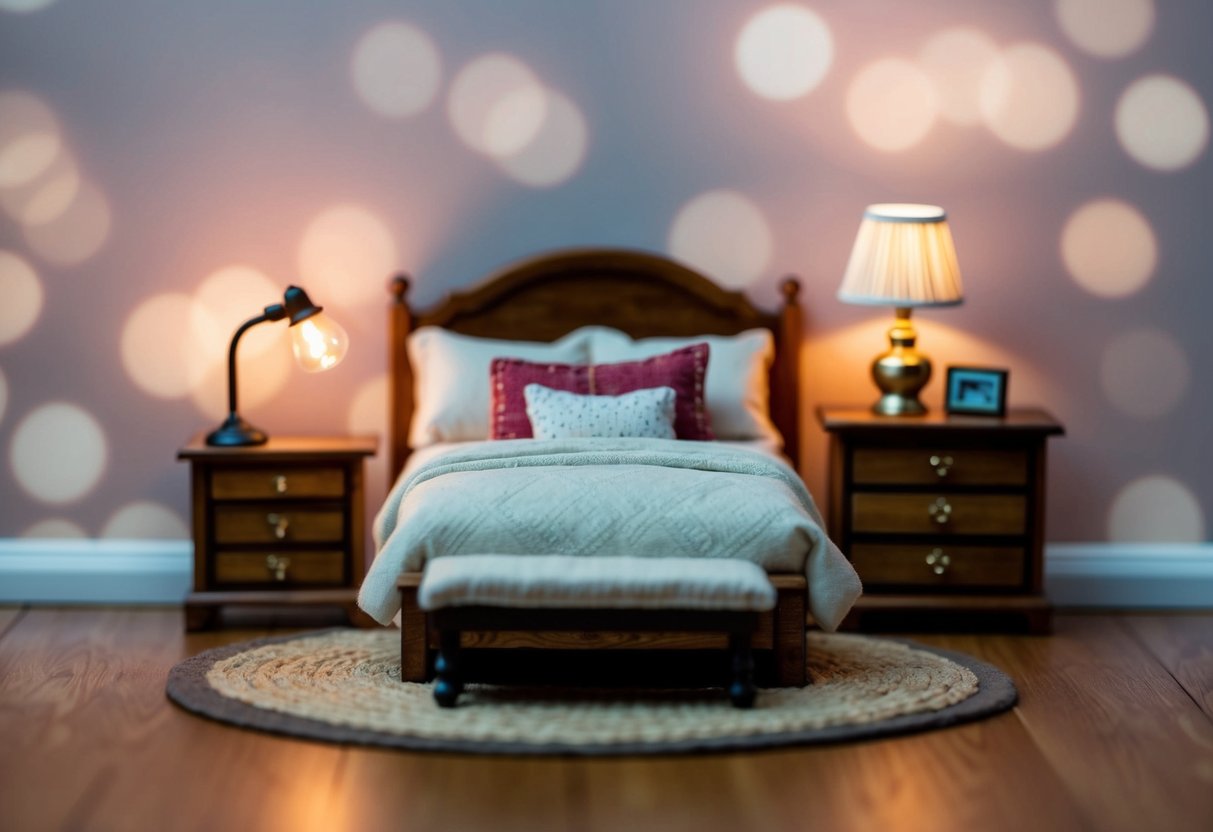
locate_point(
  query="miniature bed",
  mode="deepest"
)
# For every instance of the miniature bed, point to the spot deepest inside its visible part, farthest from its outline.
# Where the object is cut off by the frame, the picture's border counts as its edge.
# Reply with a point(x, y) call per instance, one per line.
point(550, 299)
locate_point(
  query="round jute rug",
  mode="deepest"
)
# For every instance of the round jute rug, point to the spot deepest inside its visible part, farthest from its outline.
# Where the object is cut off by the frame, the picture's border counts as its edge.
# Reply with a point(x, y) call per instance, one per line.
point(344, 686)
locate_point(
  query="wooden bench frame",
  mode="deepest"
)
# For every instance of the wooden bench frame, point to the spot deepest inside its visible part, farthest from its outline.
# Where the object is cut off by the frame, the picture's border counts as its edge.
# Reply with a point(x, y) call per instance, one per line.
point(780, 631)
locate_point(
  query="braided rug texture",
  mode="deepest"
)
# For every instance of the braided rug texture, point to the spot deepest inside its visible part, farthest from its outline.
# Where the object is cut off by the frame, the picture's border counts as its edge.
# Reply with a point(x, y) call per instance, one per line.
point(344, 686)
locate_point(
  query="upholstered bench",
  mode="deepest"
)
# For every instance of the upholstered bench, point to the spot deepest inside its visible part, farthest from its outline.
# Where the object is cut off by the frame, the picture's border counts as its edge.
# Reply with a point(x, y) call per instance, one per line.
point(558, 593)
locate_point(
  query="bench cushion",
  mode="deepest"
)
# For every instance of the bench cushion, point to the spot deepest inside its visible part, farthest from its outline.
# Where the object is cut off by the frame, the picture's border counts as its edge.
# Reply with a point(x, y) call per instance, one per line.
point(561, 581)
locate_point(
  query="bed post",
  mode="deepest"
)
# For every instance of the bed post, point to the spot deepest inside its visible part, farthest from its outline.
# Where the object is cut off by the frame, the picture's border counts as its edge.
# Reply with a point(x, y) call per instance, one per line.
point(785, 401)
point(400, 404)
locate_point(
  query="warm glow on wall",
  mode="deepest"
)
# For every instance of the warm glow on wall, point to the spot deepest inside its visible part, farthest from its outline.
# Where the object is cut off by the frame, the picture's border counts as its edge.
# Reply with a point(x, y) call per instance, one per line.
point(1162, 123)
point(396, 70)
point(1029, 97)
point(891, 105)
point(58, 453)
point(1109, 248)
point(724, 234)
point(157, 348)
point(784, 51)
point(346, 255)
point(221, 303)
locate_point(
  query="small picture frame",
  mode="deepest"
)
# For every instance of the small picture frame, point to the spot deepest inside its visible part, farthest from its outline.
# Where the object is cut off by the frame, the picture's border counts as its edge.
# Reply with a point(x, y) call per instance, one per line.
point(976, 391)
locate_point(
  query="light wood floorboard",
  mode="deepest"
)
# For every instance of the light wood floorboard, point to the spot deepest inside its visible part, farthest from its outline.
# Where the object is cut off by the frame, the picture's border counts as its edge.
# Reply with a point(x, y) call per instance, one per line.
point(1113, 732)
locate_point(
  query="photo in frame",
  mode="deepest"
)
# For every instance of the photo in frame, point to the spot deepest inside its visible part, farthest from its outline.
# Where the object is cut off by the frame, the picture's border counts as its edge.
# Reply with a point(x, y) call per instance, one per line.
point(976, 391)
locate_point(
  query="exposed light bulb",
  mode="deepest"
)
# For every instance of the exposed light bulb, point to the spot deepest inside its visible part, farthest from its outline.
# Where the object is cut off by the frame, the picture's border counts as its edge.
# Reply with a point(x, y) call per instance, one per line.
point(319, 343)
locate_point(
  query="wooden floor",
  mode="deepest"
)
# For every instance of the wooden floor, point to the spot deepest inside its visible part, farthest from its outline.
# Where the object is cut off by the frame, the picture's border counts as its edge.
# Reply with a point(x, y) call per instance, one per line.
point(1114, 731)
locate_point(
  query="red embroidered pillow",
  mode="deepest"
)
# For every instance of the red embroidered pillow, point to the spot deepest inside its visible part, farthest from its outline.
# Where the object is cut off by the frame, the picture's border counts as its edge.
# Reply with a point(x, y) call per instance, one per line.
point(683, 369)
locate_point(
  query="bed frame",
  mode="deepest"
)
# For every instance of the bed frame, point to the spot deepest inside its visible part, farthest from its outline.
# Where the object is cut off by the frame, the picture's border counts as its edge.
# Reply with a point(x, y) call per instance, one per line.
point(545, 297)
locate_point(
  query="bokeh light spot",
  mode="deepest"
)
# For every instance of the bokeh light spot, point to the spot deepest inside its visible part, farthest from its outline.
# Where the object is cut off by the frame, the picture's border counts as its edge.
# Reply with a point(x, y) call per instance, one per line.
point(1109, 248)
point(1029, 97)
point(20, 297)
point(1106, 28)
point(556, 151)
point(784, 51)
point(496, 105)
point(891, 105)
point(47, 197)
point(396, 70)
point(1162, 122)
point(29, 138)
point(145, 521)
point(1156, 509)
point(725, 235)
point(955, 60)
point(77, 233)
point(157, 351)
point(54, 528)
point(58, 453)
point(1144, 373)
point(346, 256)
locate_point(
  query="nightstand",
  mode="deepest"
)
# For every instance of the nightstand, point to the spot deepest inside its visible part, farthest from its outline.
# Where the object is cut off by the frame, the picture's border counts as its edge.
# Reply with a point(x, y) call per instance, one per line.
point(942, 516)
point(279, 524)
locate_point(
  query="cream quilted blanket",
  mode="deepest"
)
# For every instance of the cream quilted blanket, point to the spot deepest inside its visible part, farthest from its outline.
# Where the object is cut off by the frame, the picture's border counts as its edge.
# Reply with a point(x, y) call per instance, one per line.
point(607, 497)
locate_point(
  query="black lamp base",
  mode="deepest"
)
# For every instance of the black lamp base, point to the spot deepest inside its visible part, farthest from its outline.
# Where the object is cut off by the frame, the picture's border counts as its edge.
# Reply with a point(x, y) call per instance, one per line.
point(235, 432)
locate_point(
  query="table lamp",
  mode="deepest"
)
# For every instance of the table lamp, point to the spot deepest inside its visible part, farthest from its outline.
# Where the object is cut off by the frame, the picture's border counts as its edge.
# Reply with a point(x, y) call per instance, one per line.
point(319, 343)
point(904, 258)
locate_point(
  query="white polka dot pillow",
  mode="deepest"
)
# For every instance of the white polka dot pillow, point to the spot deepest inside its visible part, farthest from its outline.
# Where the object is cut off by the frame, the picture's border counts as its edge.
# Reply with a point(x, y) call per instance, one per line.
point(556, 414)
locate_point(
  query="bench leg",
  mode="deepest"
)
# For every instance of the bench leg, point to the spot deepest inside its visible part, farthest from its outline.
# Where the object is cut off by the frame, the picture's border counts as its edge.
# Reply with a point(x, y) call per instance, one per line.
point(448, 685)
point(741, 687)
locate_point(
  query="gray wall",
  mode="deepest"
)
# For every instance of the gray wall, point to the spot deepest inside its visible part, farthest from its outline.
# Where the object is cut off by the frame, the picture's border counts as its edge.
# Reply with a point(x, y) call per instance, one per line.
point(232, 134)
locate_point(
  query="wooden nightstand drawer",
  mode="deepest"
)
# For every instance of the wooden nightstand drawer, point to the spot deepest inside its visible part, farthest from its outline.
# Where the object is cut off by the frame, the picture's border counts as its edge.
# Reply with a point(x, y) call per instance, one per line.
point(944, 565)
point(277, 482)
point(285, 567)
point(934, 513)
point(239, 524)
point(929, 466)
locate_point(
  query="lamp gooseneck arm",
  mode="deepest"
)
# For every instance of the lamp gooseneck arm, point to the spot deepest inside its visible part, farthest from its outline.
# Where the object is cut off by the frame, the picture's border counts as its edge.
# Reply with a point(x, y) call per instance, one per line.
point(271, 313)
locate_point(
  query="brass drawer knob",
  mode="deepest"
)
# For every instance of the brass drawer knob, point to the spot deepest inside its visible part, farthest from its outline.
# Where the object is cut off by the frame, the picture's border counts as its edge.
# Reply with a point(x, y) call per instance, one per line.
point(941, 464)
point(279, 523)
point(277, 566)
point(280, 484)
point(938, 561)
point(940, 510)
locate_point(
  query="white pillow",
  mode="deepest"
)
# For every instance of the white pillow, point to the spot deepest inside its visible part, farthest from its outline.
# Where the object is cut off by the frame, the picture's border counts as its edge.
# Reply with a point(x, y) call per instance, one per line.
point(451, 379)
point(737, 385)
point(558, 414)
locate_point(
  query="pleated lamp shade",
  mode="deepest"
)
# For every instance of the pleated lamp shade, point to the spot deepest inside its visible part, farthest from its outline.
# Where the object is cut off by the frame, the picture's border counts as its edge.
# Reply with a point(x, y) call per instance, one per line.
point(904, 257)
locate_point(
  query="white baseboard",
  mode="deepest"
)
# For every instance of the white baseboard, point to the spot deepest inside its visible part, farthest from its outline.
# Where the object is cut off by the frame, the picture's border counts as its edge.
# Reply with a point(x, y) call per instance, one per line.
point(95, 571)
point(1111, 575)
point(1130, 575)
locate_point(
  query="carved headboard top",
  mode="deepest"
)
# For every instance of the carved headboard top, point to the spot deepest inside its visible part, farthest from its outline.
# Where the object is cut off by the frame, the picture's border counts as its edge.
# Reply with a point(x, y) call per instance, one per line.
point(643, 294)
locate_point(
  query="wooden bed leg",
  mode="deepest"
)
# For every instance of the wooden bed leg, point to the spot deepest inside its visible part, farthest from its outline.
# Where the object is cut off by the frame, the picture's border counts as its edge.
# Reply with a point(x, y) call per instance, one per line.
point(414, 643)
point(741, 686)
point(790, 668)
point(449, 685)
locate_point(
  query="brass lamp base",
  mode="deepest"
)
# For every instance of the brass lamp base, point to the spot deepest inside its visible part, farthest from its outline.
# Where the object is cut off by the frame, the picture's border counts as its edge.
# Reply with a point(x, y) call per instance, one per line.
point(901, 371)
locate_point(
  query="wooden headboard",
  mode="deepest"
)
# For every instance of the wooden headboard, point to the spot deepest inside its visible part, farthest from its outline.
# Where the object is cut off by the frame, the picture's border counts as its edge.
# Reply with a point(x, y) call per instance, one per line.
point(547, 296)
